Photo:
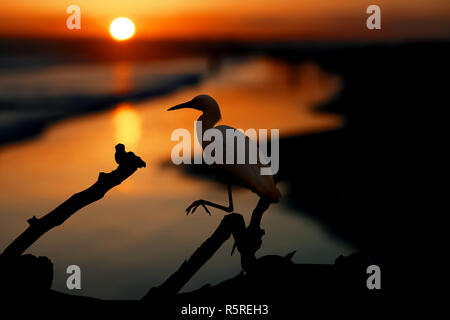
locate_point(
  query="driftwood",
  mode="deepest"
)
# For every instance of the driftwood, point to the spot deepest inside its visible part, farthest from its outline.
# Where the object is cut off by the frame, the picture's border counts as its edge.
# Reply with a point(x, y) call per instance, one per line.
point(247, 241)
point(266, 278)
point(128, 164)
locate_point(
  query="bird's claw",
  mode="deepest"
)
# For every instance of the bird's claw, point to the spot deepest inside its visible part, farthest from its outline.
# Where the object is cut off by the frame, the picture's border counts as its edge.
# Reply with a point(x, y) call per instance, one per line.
point(191, 209)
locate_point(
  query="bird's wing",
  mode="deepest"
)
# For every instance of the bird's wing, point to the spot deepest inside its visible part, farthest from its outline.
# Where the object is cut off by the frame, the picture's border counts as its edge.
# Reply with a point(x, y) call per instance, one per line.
point(247, 174)
point(243, 146)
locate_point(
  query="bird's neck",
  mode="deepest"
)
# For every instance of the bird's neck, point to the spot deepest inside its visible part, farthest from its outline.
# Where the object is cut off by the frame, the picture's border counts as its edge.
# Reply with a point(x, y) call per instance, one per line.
point(209, 118)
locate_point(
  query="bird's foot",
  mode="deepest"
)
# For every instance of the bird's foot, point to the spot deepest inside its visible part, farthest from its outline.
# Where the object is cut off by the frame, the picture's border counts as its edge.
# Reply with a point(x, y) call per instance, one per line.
point(191, 209)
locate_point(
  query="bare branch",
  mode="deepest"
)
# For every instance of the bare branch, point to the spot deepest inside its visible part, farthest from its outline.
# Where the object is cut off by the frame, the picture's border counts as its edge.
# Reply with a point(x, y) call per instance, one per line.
point(248, 241)
point(128, 164)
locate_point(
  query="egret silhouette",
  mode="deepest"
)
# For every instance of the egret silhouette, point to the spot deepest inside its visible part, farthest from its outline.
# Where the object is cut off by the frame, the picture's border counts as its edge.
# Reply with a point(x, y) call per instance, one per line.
point(247, 174)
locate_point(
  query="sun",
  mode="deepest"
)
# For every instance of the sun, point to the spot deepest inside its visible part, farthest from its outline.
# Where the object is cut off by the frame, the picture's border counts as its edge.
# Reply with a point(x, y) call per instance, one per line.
point(122, 29)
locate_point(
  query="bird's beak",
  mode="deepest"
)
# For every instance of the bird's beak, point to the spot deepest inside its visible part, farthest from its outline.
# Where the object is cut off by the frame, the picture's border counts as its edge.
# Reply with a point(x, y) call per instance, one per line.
point(184, 105)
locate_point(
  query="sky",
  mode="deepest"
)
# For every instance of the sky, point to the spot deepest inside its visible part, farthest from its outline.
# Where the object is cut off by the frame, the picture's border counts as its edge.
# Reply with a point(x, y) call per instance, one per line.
point(254, 19)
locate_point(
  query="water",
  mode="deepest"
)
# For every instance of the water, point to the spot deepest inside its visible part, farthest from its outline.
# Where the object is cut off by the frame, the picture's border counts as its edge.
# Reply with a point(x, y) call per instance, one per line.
point(137, 235)
point(31, 98)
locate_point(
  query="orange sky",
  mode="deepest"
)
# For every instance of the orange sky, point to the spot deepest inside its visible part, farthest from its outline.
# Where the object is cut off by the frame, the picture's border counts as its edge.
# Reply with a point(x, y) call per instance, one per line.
point(312, 19)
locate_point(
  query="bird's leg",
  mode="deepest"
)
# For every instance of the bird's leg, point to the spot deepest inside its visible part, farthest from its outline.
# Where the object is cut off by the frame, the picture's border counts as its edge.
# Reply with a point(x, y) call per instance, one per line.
point(205, 203)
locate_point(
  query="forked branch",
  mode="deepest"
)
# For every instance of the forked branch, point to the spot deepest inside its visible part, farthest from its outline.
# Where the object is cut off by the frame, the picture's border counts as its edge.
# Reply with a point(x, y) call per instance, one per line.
point(248, 241)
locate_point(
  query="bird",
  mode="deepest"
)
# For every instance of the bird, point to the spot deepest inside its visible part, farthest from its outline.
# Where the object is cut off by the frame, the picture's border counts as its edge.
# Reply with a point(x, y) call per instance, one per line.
point(128, 159)
point(247, 174)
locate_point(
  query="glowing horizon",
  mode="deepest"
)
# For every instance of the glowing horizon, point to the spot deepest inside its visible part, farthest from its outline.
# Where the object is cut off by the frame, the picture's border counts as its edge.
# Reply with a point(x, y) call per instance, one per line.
point(231, 19)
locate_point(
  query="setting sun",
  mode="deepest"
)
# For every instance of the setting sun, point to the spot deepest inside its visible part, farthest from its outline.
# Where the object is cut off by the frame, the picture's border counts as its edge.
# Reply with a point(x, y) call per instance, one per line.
point(122, 29)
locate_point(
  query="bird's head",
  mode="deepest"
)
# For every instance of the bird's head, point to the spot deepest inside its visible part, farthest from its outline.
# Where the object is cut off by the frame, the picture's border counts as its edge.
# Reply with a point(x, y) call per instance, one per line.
point(202, 102)
point(120, 147)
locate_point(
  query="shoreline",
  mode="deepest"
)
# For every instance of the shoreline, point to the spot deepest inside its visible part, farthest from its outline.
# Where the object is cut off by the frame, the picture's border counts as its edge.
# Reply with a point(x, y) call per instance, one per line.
point(34, 127)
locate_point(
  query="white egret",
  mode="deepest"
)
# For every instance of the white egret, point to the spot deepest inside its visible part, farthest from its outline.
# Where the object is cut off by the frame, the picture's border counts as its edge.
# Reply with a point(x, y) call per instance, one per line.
point(247, 174)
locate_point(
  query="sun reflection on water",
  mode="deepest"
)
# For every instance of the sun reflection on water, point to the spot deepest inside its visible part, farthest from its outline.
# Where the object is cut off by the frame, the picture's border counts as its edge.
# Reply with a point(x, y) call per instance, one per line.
point(127, 123)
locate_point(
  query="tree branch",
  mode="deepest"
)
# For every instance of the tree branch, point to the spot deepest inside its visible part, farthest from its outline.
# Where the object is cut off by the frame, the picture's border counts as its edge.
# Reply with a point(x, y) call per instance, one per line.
point(248, 241)
point(189, 267)
point(128, 164)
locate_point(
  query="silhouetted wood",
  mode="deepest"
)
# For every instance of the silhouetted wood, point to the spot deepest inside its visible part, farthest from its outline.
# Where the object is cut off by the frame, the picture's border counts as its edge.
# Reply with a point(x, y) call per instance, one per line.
point(129, 163)
point(247, 241)
point(232, 222)
point(258, 212)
